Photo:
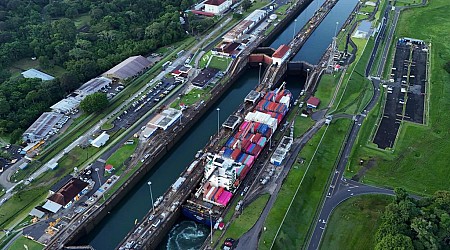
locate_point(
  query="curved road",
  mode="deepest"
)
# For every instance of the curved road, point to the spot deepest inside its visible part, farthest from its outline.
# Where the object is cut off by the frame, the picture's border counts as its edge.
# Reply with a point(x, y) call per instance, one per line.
point(340, 188)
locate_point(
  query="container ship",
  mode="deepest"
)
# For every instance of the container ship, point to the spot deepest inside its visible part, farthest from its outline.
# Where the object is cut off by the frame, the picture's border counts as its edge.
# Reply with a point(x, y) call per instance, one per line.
point(225, 170)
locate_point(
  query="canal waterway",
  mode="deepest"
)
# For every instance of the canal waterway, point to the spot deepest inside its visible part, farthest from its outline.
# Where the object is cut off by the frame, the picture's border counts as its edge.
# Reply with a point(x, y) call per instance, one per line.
point(187, 234)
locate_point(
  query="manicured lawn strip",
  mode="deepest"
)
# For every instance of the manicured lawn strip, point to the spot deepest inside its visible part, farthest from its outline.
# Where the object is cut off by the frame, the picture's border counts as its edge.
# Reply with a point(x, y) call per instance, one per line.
point(326, 88)
point(18, 206)
point(296, 225)
point(354, 222)
point(203, 62)
point(301, 125)
point(220, 63)
point(248, 218)
point(420, 158)
point(122, 180)
point(21, 242)
point(358, 87)
point(119, 157)
point(192, 97)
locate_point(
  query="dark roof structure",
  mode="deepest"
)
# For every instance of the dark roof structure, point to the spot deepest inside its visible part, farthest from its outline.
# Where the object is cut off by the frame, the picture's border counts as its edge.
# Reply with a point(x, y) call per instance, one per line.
point(313, 101)
point(61, 183)
point(68, 191)
point(205, 77)
point(128, 68)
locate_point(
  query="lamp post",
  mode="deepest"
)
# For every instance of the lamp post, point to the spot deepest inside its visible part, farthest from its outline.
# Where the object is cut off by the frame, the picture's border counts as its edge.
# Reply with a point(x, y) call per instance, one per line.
point(151, 195)
point(335, 30)
point(218, 120)
point(210, 222)
point(295, 25)
point(259, 75)
point(307, 77)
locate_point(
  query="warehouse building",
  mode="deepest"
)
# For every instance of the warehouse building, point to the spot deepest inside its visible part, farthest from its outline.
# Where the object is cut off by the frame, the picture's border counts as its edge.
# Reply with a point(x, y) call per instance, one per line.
point(244, 26)
point(41, 127)
point(100, 140)
point(93, 86)
point(34, 73)
point(67, 105)
point(129, 68)
point(66, 195)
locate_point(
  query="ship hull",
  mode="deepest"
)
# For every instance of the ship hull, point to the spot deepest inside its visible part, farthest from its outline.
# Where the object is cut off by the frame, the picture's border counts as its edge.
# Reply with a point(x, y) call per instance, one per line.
point(197, 216)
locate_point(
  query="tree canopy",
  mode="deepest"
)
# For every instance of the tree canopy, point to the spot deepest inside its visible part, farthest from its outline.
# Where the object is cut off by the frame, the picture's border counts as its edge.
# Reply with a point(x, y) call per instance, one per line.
point(94, 103)
point(416, 224)
point(84, 38)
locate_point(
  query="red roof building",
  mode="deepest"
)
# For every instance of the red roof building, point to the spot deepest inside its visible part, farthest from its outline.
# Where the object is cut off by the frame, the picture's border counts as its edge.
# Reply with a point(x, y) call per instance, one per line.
point(215, 2)
point(313, 102)
point(280, 54)
point(109, 168)
point(69, 192)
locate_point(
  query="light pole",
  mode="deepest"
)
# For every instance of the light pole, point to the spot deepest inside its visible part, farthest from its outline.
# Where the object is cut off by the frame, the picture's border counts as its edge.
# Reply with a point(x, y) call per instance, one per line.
point(295, 25)
point(307, 76)
point(335, 30)
point(218, 120)
point(210, 222)
point(151, 195)
point(259, 75)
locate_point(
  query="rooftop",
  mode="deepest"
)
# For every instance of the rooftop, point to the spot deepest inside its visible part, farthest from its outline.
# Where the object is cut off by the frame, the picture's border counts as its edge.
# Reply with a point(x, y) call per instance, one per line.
point(68, 192)
point(215, 2)
point(313, 101)
point(365, 26)
point(281, 51)
point(165, 118)
point(34, 73)
point(205, 76)
point(61, 183)
point(42, 126)
point(128, 68)
point(93, 85)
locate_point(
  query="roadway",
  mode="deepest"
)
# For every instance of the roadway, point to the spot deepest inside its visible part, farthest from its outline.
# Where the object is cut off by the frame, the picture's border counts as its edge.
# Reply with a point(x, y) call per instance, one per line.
point(342, 189)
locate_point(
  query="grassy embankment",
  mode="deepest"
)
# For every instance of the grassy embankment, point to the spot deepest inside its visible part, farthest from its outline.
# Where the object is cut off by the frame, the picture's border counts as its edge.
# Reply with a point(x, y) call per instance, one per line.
point(247, 219)
point(295, 228)
point(119, 158)
point(354, 223)
point(25, 243)
point(412, 165)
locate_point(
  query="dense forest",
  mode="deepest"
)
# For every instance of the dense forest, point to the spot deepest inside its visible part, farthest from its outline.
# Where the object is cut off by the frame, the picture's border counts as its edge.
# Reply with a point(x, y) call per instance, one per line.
point(416, 224)
point(50, 30)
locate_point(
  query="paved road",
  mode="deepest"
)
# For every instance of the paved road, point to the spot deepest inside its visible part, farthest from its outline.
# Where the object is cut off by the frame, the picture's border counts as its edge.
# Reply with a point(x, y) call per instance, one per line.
point(341, 189)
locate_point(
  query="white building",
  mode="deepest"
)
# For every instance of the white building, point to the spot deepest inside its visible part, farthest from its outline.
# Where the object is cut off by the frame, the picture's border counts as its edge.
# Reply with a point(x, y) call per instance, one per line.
point(165, 119)
point(281, 54)
point(100, 140)
point(217, 6)
point(364, 30)
point(34, 73)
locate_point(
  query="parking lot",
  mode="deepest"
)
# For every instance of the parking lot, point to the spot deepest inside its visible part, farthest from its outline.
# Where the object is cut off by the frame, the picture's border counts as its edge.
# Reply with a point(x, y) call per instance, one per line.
point(147, 100)
point(405, 91)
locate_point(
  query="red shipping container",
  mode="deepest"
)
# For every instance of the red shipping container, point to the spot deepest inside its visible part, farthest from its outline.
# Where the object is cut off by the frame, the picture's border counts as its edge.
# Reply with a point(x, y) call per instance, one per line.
point(219, 192)
point(235, 153)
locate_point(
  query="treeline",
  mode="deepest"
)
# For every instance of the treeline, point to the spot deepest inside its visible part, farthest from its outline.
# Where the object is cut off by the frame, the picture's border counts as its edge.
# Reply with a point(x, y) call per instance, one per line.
point(415, 224)
point(22, 101)
point(114, 30)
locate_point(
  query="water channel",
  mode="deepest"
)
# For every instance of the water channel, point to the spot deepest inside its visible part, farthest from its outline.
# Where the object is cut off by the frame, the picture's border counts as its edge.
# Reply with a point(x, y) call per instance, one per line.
point(187, 234)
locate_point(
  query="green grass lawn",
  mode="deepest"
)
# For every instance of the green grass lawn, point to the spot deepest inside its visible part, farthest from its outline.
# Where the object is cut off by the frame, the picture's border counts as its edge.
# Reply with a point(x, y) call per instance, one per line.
point(326, 88)
point(301, 125)
point(203, 62)
point(420, 156)
point(247, 219)
point(298, 220)
point(192, 97)
point(120, 156)
point(356, 89)
point(354, 223)
point(21, 242)
point(367, 9)
point(220, 63)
